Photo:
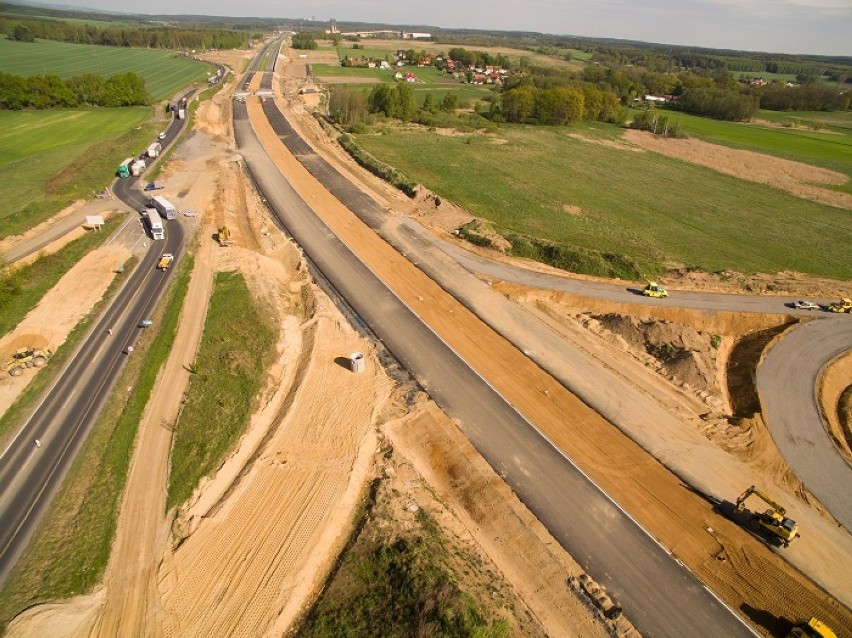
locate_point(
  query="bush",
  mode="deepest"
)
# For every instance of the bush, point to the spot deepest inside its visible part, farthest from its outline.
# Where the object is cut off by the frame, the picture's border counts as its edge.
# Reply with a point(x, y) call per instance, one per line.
point(574, 259)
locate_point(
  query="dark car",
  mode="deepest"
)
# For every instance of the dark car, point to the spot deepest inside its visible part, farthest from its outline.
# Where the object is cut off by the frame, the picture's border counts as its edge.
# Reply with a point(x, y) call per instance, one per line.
point(150, 187)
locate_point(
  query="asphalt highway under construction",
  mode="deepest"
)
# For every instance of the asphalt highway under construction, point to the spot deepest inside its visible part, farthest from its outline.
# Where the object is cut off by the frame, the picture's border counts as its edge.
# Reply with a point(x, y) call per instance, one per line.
point(659, 595)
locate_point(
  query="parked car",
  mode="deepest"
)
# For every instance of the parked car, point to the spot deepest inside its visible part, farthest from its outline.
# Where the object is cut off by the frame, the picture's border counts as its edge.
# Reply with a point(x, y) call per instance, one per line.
point(150, 186)
point(146, 323)
point(802, 304)
point(190, 213)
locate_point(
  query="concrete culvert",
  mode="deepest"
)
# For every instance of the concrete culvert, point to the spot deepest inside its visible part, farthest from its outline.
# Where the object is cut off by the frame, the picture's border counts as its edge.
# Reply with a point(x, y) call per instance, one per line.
point(356, 362)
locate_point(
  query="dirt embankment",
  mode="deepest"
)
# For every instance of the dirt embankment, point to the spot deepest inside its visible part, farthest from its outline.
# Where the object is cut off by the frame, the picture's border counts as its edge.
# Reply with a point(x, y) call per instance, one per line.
point(835, 398)
point(797, 178)
point(482, 507)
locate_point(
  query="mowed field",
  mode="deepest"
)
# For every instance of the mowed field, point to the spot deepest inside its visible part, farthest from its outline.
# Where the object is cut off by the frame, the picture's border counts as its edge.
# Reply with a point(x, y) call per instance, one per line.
point(52, 157)
point(164, 72)
point(829, 145)
point(654, 210)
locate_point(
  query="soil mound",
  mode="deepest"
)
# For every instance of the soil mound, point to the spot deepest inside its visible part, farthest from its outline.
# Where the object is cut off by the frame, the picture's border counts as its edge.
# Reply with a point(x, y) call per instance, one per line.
point(682, 354)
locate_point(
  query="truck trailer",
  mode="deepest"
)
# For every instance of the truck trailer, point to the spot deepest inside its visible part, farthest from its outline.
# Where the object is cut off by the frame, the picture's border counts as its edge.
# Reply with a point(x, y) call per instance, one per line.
point(154, 149)
point(155, 224)
point(137, 168)
point(164, 207)
point(181, 114)
point(124, 168)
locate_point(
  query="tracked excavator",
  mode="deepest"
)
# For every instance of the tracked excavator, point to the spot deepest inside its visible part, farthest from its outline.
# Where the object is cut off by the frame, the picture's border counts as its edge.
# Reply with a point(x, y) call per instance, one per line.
point(773, 521)
point(812, 629)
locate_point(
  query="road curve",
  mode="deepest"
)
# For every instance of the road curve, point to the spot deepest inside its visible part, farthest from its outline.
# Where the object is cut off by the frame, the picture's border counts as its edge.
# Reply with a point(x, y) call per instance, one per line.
point(787, 384)
point(30, 475)
point(660, 596)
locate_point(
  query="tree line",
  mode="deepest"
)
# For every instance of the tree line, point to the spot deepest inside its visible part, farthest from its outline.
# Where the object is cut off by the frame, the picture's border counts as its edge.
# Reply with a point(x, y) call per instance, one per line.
point(47, 91)
point(149, 37)
point(303, 40)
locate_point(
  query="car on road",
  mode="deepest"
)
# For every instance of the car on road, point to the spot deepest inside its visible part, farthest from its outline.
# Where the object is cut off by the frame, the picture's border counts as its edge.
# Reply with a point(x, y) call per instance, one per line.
point(146, 323)
point(128, 350)
point(653, 289)
point(802, 304)
point(161, 136)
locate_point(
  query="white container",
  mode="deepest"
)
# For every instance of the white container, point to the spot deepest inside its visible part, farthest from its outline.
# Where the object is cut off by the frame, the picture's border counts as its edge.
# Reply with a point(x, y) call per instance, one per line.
point(356, 362)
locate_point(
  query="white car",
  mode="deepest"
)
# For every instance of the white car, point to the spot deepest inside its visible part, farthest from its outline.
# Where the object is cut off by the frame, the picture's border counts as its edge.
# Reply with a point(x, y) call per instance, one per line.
point(161, 136)
point(801, 304)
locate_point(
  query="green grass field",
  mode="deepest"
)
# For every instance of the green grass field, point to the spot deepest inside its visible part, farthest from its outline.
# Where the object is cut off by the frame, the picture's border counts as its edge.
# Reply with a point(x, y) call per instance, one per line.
point(164, 72)
point(228, 374)
point(50, 158)
point(831, 148)
point(653, 210)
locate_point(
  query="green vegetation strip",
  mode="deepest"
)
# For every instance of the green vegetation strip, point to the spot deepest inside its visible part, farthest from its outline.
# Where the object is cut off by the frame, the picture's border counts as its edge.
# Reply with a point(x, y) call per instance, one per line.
point(397, 587)
point(52, 158)
point(69, 552)
point(233, 357)
point(164, 72)
point(642, 208)
point(22, 288)
point(376, 167)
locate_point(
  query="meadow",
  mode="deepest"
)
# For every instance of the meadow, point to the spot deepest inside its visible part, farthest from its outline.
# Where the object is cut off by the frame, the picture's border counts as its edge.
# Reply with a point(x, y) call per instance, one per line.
point(51, 158)
point(648, 209)
point(164, 72)
point(829, 146)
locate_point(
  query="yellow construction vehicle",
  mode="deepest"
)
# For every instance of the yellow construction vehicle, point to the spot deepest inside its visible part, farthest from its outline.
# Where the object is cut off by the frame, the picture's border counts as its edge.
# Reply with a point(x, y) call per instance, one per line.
point(812, 629)
point(224, 236)
point(844, 305)
point(653, 289)
point(165, 261)
point(24, 358)
point(782, 529)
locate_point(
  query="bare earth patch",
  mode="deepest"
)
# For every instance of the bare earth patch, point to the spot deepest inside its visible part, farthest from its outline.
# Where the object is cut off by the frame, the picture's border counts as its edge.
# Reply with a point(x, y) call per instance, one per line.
point(51, 321)
point(796, 178)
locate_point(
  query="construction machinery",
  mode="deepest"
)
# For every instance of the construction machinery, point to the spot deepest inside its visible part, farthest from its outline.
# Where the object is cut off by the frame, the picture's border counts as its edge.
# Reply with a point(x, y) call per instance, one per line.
point(812, 629)
point(783, 530)
point(224, 236)
point(22, 359)
point(653, 289)
point(165, 261)
point(844, 305)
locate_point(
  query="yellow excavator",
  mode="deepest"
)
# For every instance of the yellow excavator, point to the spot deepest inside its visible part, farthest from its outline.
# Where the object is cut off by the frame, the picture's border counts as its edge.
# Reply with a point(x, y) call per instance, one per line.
point(773, 521)
point(812, 629)
point(224, 236)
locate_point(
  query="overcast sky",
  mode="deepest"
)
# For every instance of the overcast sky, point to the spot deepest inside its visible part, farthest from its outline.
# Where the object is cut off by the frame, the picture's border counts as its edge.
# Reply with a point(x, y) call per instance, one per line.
point(786, 26)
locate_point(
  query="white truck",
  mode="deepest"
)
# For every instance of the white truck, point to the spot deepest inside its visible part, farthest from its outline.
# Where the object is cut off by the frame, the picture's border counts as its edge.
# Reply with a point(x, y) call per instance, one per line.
point(154, 149)
point(155, 224)
point(181, 114)
point(137, 168)
point(164, 207)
